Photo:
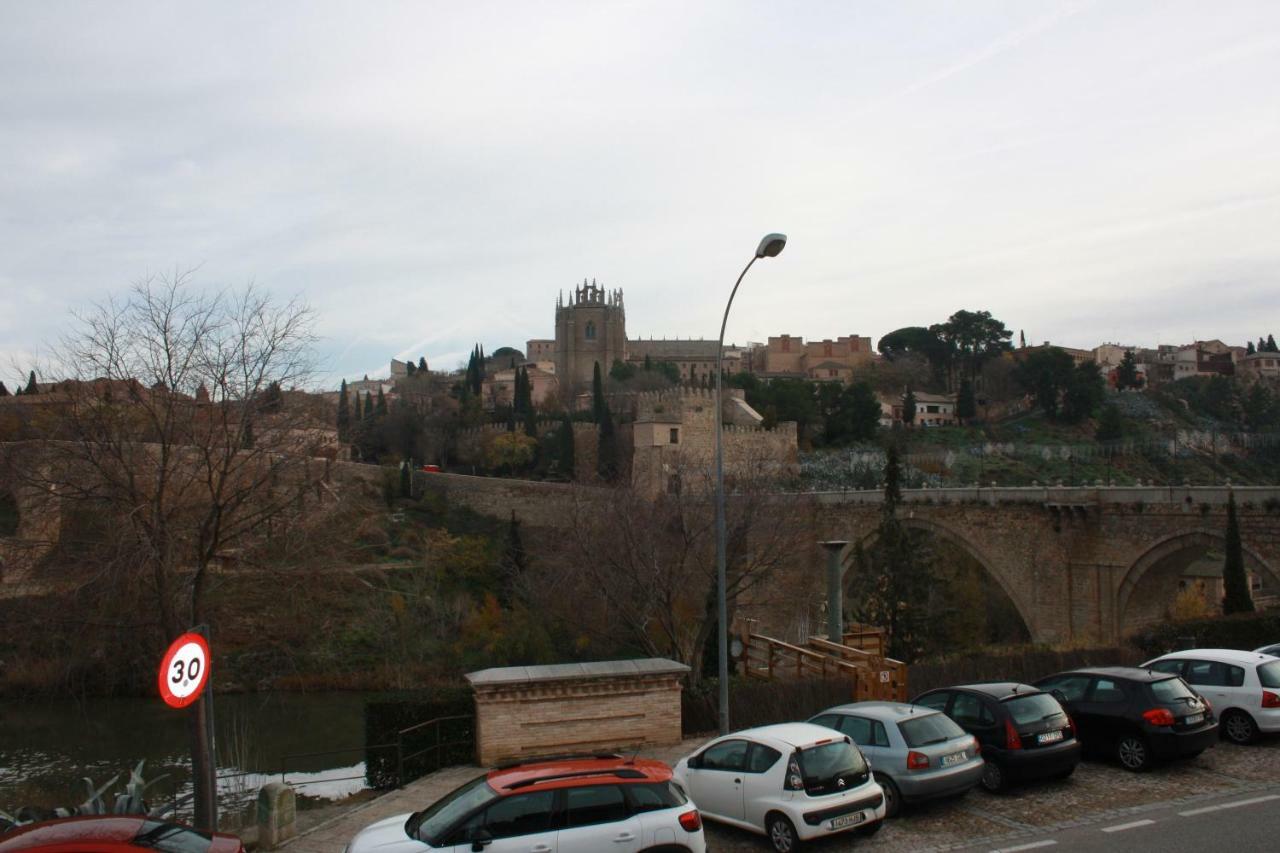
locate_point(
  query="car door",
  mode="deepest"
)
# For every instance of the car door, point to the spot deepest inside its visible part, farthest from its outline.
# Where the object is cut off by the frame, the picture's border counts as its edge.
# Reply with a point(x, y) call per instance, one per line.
point(1210, 679)
point(1070, 691)
point(1104, 705)
point(518, 823)
point(761, 782)
point(869, 735)
point(597, 818)
point(716, 783)
point(970, 713)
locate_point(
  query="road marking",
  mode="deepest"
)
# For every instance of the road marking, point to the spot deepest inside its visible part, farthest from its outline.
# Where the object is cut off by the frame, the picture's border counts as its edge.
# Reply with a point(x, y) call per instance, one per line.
point(1237, 804)
point(1122, 827)
point(1032, 846)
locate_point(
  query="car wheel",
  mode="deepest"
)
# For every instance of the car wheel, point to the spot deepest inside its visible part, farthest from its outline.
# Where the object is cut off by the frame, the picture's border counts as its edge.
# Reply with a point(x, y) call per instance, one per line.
point(1133, 753)
point(1065, 774)
point(892, 797)
point(1238, 727)
point(993, 778)
point(782, 835)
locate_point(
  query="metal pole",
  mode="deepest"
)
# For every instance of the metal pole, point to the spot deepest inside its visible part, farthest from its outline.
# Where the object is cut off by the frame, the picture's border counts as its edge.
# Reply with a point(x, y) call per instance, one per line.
point(835, 593)
point(722, 604)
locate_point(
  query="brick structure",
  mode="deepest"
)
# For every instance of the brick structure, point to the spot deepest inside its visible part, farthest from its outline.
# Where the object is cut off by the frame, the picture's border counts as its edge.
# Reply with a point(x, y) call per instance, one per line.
point(576, 707)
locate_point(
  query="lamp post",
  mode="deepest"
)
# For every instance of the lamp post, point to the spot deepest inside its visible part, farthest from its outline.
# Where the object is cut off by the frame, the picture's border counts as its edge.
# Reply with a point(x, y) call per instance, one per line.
point(769, 247)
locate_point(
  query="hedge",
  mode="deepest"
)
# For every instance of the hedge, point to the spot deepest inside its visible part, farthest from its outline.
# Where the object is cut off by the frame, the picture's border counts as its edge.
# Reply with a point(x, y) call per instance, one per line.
point(1245, 631)
point(387, 714)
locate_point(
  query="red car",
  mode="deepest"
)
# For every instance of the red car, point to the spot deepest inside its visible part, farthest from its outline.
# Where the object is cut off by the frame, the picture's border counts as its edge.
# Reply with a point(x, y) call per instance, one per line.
point(115, 834)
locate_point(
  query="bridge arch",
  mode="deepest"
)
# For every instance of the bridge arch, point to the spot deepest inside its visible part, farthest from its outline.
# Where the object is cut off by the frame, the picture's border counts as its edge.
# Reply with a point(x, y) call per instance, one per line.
point(1150, 583)
point(948, 534)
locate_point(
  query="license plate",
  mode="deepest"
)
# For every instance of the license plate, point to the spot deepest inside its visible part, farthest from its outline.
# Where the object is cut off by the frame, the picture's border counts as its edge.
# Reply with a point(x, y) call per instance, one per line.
point(954, 758)
point(1193, 719)
point(848, 820)
point(1048, 737)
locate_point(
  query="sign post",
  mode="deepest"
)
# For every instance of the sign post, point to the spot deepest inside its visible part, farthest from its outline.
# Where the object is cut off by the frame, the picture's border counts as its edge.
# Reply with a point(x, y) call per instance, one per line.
point(182, 679)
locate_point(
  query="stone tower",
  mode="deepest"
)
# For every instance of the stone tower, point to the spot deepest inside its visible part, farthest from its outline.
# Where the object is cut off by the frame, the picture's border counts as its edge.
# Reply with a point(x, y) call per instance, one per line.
point(590, 328)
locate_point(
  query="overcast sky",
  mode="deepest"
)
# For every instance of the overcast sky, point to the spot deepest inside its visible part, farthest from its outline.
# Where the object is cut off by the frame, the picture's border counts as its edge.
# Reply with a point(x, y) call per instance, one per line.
point(429, 175)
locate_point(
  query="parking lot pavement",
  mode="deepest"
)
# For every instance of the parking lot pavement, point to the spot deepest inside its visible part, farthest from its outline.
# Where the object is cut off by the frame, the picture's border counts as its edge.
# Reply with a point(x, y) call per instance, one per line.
point(1098, 792)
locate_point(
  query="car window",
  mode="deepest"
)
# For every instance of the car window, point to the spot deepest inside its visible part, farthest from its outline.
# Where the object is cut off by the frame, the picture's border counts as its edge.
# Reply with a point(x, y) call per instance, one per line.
point(831, 721)
point(928, 728)
point(728, 755)
point(762, 758)
point(655, 796)
point(172, 838)
point(1170, 690)
point(594, 804)
point(1269, 674)
point(879, 735)
point(1235, 675)
point(1032, 708)
point(1173, 667)
point(519, 814)
point(858, 728)
point(1072, 687)
point(441, 815)
point(969, 710)
point(1106, 690)
point(937, 700)
point(1207, 673)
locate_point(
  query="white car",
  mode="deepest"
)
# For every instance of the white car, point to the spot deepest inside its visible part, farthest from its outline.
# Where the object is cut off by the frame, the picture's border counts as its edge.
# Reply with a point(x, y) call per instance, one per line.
point(578, 804)
point(791, 782)
point(1242, 687)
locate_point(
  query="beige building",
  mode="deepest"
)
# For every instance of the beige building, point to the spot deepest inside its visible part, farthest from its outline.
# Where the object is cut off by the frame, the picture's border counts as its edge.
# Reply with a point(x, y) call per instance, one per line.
point(1260, 364)
point(825, 361)
point(500, 389)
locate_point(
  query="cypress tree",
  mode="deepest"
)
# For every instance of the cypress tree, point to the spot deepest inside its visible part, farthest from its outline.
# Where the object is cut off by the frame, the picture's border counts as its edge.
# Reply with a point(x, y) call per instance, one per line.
point(380, 409)
point(368, 405)
point(966, 406)
point(422, 364)
point(17, 392)
point(598, 408)
point(344, 413)
point(648, 362)
point(1235, 583)
point(406, 481)
point(514, 563)
point(1250, 349)
point(530, 422)
point(564, 449)
point(909, 407)
point(1271, 344)
point(32, 389)
point(607, 461)
point(409, 368)
point(4, 392)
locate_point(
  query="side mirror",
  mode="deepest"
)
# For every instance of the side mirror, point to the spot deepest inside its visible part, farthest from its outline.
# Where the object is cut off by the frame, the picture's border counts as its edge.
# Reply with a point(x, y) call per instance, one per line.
point(480, 840)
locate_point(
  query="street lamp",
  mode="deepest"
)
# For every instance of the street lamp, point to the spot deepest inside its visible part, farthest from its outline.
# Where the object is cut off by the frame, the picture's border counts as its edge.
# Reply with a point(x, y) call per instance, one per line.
point(769, 247)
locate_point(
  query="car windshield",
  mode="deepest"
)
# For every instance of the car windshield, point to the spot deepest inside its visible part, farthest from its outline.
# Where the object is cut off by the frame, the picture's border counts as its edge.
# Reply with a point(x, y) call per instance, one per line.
point(431, 824)
point(1269, 673)
point(172, 838)
point(924, 729)
point(823, 763)
point(1171, 690)
point(1033, 708)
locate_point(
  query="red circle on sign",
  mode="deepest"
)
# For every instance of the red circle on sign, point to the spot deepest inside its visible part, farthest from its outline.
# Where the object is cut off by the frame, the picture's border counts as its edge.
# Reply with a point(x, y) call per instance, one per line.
point(184, 670)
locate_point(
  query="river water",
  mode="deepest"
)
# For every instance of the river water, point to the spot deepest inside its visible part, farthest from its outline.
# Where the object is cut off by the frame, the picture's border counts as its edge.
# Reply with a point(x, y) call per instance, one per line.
point(48, 747)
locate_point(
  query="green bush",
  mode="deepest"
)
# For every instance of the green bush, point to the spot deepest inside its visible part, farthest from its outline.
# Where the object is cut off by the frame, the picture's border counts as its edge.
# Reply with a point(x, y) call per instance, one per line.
point(1244, 631)
point(387, 714)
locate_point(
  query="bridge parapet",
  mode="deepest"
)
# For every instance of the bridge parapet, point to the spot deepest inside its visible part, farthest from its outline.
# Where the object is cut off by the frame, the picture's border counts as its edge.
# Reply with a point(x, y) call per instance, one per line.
point(1064, 495)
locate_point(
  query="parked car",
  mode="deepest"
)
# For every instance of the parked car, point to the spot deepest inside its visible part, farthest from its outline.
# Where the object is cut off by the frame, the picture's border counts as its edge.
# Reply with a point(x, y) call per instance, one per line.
point(1243, 687)
point(1273, 650)
point(1024, 732)
point(568, 804)
point(915, 753)
point(791, 782)
point(1137, 715)
point(115, 834)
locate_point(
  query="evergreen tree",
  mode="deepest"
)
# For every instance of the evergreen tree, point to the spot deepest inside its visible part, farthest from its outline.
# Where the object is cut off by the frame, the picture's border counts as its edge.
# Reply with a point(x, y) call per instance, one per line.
point(409, 368)
point(1110, 424)
point(511, 419)
point(1022, 339)
point(32, 389)
point(564, 447)
point(406, 481)
point(368, 406)
point(344, 413)
point(17, 392)
point(1250, 349)
point(598, 407)
point(1127, 375)
point(4, 392)
point(422, 364)
point(1262, 344)
point(530, 422)
point(966, 406)
point(648, 363)
point(515, 561)
point(607, 463)
point(380, 408)
point(909, 407)
point(1235, 583)
point(1271, 344)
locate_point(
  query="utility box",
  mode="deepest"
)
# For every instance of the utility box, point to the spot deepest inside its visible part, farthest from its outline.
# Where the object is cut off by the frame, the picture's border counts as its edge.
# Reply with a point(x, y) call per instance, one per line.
point(524, 711)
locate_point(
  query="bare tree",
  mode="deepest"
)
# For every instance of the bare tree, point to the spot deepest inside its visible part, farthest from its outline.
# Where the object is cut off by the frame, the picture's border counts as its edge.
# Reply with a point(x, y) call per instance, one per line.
point(171, 423)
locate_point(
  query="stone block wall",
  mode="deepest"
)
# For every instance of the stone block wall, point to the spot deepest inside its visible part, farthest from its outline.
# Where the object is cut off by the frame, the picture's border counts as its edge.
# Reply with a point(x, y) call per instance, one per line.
point(545, 710)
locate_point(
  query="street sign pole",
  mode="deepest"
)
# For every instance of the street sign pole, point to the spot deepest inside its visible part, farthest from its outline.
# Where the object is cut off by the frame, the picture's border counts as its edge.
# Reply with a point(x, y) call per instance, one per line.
point(182, 679)
point(203, 741)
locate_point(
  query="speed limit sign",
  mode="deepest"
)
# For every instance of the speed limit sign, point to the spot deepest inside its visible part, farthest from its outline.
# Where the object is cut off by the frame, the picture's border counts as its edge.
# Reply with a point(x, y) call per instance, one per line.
point(184, 670)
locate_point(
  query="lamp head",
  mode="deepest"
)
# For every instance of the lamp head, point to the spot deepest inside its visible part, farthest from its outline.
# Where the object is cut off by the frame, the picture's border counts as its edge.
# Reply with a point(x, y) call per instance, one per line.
point(771, 245)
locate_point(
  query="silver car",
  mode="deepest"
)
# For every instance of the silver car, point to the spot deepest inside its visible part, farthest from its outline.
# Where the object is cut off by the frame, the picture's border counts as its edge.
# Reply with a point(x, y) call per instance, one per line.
point(916, 753)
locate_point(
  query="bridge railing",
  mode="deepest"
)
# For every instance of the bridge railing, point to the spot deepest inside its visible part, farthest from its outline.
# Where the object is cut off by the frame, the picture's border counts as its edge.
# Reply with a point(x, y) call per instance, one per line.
point(1065, 495)
point(870, 676)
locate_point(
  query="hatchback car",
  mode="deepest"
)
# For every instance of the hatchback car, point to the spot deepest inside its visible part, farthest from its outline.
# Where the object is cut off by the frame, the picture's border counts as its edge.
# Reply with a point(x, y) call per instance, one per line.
point(1024, 732)
point(790, 782)
point(1137, 715)
point(1243, 687)
point(572, 804)
point(115, 834)
point(915, 753)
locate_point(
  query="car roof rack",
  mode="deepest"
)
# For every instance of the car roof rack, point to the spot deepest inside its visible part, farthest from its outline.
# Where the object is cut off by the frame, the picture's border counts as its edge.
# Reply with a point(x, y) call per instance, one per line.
point(621, 773)
point(560, 756)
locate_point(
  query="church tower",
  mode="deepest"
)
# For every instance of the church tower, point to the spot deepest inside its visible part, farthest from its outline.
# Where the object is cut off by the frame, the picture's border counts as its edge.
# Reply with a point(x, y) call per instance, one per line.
point(590, 328)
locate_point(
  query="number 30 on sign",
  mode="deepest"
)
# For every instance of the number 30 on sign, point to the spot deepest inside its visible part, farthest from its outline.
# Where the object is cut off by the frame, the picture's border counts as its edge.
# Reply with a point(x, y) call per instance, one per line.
point(184, 670)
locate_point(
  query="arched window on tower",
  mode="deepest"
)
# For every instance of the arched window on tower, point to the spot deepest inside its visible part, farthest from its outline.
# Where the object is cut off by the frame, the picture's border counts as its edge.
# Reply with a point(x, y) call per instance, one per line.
point(591, 330)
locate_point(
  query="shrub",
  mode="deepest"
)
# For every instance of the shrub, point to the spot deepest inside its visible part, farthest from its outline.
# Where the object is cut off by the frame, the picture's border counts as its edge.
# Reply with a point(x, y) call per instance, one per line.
point(1239, 631)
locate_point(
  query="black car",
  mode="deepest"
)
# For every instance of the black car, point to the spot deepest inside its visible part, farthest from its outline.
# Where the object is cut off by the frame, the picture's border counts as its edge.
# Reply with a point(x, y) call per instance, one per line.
point(1024, 732)
point(1137, 715)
